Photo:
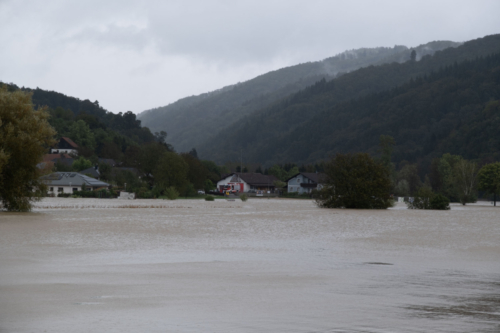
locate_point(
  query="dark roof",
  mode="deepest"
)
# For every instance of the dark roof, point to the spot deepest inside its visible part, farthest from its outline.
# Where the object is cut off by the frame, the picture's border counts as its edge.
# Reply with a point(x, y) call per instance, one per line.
point(76, 179)
point(255, 179)
point(70, 142)
point(133, 170)
point(318, 178)
point(52, 157)
point(65, 161)
point(107, 161)
point(91, 171)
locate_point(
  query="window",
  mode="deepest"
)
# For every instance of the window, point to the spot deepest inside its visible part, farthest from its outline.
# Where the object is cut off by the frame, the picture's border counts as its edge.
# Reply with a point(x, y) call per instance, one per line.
point(75, 189)
point(51, 189)
point(298, 180)
point(60, 189)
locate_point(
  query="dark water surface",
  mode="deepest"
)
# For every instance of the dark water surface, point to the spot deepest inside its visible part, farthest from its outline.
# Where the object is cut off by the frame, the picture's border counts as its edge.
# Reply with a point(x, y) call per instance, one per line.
point(84, 265)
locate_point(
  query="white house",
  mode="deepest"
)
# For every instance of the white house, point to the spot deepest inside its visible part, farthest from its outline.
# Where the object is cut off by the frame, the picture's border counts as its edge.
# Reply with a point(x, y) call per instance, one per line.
point(305, 182)
point(69, 182)
point(65, 146)
point(244, 182)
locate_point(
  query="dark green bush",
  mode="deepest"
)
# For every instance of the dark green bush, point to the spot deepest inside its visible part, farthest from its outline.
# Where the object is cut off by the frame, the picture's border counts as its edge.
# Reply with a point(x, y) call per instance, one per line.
point(426, 199)
point(209, 198)
point(440, 202)
point(243, 197)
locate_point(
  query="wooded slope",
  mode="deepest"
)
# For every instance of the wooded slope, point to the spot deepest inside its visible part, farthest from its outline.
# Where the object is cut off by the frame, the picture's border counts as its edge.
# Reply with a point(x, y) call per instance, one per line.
point(190, 121)
point(346, 114)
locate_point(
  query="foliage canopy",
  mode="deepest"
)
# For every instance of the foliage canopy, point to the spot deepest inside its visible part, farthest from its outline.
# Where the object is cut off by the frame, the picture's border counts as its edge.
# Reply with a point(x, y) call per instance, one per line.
point(25, 134)
point(355, 181)
point(489, 179)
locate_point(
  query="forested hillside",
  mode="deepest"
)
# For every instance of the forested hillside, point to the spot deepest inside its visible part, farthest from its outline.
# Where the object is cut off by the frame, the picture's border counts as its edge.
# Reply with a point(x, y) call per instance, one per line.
point(350, 112)
point(96, 130)
point(191, 120)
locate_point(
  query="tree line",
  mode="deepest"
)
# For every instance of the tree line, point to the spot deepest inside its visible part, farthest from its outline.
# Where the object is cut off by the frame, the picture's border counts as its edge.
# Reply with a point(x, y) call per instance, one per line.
point(356, 180)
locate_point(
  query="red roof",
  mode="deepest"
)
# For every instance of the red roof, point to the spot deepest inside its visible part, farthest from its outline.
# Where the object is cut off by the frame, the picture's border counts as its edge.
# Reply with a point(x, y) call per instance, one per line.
point(70, 142)
point(50, 157)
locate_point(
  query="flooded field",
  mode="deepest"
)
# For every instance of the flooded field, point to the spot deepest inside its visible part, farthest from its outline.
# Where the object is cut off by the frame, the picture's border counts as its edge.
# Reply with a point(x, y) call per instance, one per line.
point(86, 265)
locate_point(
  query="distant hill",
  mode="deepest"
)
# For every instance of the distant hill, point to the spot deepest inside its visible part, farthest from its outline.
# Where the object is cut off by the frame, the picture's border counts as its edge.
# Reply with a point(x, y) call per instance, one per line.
point(190, 121)
point(118, 131)
point(351, 111)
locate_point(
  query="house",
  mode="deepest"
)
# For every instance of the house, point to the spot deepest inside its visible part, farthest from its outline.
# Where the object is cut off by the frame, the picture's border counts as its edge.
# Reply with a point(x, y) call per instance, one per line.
point(65, 146)
point(305, 182)
point(244, 182)
point(69, 182)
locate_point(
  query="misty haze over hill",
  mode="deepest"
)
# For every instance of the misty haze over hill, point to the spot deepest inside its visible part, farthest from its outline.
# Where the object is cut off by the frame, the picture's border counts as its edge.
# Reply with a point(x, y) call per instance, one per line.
point(190, 121)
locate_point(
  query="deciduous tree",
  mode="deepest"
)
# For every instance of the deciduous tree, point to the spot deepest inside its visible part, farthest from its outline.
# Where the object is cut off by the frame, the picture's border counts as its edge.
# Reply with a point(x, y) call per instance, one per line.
point(171, 170)
point(489, 179)
point(25, 135)
point(465, 176)
point(355, 181)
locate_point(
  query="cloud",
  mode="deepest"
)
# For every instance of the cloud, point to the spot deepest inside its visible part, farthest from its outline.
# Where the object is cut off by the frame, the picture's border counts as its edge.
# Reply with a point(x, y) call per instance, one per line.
point(133, 55)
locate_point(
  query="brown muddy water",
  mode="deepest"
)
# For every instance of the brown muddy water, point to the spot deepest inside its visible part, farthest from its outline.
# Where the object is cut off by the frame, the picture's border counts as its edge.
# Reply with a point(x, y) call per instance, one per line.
point(86, 265)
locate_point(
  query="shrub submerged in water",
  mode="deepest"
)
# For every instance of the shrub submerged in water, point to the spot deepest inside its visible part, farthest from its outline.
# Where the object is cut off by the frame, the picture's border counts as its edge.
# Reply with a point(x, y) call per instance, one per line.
point(441, 202)
point(243, 197)
point(209, 198)
point(426, 199)
point(171, 193)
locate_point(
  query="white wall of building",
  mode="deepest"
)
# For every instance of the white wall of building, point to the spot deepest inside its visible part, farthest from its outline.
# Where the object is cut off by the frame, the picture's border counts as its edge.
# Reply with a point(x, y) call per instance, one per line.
point(65, 189)
point(227, 181)
point(64, 151)
point(294, 185)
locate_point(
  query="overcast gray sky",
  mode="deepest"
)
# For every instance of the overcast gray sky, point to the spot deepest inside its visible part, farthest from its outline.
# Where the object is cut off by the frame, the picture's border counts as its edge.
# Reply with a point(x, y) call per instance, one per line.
point(136, 55)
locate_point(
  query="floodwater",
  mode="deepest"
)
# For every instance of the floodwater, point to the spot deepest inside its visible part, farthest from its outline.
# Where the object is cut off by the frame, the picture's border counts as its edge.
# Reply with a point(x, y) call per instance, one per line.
point(265, 265)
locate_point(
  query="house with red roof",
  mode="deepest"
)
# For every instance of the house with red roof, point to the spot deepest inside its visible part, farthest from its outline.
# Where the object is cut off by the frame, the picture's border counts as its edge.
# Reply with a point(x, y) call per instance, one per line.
point(244, 182)
point(65, 146)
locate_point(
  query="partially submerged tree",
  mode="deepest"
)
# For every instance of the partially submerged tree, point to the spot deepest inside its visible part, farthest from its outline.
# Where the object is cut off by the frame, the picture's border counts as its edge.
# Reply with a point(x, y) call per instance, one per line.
point(355, 181)
point(489, 179)
point(465, 174)
point(426, 199)
point(25, 136)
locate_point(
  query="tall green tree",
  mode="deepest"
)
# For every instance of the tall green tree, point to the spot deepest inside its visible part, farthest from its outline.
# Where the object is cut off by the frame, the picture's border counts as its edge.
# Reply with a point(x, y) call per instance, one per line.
point(355, 181)
point(386, 146)
point(465, 180)
point(489, 179)
point(171, 171)
point(25, 135)
point(149, 158)
point(81, 164)
point(80, 133)
point(197, 173)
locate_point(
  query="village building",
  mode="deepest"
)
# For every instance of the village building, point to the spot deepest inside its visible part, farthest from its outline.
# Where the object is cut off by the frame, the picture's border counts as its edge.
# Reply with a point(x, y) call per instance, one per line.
point(245, 182)
point(306, 182)
point(65, 146)
point(69, 182)
point(92, 172)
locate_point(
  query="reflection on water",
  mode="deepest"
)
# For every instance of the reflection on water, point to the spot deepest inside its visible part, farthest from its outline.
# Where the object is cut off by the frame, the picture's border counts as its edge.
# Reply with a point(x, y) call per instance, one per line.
point(80, 265)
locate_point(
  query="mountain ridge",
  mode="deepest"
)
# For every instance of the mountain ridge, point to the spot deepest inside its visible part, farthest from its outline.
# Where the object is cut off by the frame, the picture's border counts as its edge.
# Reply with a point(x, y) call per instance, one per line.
point(190, 120)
